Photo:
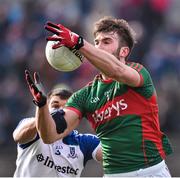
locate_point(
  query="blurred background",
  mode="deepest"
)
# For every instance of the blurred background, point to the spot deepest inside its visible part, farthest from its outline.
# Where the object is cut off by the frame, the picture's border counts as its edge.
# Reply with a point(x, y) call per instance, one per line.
point(22, 46)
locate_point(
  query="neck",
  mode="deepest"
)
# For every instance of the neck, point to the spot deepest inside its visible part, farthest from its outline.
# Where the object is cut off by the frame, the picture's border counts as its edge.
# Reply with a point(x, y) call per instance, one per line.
point(105, 78)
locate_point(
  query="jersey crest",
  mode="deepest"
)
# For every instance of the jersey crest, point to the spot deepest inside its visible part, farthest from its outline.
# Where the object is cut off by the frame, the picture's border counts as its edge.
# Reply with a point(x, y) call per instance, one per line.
point(72, 153)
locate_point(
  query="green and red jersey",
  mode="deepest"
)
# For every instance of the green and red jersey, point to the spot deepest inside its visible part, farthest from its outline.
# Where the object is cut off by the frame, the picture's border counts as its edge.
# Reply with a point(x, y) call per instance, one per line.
point(126, 121)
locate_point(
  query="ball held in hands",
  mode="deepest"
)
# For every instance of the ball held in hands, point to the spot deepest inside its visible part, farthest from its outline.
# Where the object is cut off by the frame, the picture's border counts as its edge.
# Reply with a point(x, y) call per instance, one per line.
point(63, 59)
point(64, 36)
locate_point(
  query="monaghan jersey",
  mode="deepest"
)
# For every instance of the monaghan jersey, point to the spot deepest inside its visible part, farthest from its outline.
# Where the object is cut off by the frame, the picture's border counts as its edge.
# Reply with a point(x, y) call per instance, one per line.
point(126, 121)
point(63, 158)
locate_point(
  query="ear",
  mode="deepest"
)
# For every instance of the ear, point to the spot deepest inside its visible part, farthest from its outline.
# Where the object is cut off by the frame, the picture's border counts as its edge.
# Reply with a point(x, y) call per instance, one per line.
point(124, 51)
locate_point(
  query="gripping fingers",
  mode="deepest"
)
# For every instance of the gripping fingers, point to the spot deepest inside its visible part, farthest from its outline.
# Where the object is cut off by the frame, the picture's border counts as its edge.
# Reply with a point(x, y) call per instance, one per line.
point(58, 45)
point(51, 24)
point(34, 89)
point(52, 29)
point(30, 81)
point(57, 26)
point(38, 83)
point(28, 78)
point(53, 38)
point(36, 77)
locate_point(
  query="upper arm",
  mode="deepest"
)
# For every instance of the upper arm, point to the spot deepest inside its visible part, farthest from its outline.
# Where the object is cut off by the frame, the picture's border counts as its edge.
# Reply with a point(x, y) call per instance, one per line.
point(135, 75)
point(25, 131)
point(56, 126)
point(128, 75)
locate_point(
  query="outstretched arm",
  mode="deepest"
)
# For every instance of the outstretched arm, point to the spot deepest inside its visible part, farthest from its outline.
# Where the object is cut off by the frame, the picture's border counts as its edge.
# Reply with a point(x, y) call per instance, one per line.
point(50, 127)
point(25, 131)
point(50, 130)
point(107, 63)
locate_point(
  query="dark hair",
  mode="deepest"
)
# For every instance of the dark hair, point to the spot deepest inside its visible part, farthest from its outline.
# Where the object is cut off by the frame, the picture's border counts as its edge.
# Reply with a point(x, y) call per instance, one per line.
point(61, 92)
point(121, 26)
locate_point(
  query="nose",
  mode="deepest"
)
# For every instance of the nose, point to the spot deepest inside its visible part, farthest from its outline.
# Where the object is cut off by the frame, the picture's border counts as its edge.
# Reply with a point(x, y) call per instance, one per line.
point(99, 46)
point(55, 104)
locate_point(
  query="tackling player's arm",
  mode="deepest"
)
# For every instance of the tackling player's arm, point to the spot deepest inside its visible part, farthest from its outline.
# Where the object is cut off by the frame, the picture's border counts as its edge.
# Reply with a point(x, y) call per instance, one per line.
point(25, 131)
point(50, 127)
point(49, 130)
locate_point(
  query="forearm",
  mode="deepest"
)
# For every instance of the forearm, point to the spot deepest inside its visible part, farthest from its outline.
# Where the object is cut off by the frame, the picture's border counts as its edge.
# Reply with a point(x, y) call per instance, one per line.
point(104, 61)
point(45, 125)
point(109, 65)
point(25, 132)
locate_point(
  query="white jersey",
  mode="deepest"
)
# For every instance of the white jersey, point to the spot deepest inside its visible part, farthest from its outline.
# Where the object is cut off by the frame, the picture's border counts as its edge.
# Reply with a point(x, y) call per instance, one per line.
point(64, 158)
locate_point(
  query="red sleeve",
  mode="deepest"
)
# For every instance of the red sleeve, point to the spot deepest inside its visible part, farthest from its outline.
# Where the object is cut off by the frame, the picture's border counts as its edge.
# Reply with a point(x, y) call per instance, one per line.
point(76, 111)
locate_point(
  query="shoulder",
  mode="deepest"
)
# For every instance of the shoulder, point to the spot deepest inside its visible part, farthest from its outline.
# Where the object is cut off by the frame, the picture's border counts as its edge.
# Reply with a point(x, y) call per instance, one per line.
point(23, 124)
point(87, 138)
point(144, 73)
point(137, 66)
point(96, 79)
point(25, 120)
point(89, 144)
point(82, 139)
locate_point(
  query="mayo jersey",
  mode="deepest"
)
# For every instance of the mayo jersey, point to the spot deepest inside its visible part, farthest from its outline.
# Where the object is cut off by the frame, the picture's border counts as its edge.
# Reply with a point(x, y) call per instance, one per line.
point(64, 158)
point(126, 121)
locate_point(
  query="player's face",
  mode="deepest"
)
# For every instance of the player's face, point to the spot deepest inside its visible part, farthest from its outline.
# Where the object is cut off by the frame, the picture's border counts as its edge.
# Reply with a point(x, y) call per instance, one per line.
point(56, 103)
point(108, 42)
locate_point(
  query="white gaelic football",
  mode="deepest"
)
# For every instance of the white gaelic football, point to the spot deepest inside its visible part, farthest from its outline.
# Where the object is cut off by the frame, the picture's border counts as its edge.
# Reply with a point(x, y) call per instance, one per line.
point(63, 59)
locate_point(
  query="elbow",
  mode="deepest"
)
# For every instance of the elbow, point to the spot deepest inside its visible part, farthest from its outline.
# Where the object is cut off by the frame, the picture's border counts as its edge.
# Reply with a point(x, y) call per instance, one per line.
point(15, 137)
point(47, 140)
point(51, 139)
point(16, 140)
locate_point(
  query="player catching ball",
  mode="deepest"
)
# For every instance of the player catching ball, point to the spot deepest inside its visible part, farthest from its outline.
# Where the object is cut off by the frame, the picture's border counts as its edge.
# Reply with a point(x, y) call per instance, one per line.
point(120, 103)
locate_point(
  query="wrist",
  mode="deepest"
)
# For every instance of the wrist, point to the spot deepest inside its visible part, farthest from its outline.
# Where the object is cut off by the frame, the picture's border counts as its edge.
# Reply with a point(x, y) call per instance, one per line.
point(80, 43)
point(40, 103)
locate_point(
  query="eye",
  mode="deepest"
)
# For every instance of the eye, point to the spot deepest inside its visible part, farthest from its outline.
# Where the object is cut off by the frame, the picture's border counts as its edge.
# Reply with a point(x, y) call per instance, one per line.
point(107, 41)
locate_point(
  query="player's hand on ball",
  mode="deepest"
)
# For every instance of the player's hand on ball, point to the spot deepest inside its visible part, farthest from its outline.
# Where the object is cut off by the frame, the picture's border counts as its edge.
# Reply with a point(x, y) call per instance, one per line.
point(36, 89)
point(64, 36)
